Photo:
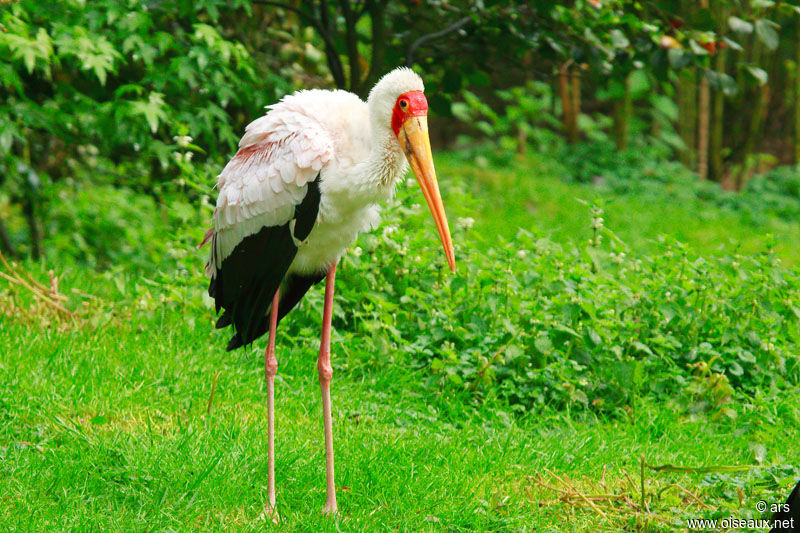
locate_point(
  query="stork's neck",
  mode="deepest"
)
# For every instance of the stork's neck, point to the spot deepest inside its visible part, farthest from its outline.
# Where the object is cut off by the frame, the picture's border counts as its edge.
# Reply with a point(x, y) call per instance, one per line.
point(374, 178)
point(386, 161)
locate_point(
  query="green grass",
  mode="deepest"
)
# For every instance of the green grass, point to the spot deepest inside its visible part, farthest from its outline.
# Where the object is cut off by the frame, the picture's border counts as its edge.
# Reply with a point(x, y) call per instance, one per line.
point(110, 430)
point(105, 423)
point(530, 194)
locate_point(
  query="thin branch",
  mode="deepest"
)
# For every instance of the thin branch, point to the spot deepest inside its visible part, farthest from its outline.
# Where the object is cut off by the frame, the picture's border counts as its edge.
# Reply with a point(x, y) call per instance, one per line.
point(286, 7)
point(351, 38)
point(457, 25)
point(377, 12)
point(334, 62)
point(324, 31)
point(361, 10)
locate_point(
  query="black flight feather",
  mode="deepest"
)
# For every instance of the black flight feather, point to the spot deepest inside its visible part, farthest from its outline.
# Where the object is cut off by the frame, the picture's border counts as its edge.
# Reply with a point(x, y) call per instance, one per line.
point(247, 279)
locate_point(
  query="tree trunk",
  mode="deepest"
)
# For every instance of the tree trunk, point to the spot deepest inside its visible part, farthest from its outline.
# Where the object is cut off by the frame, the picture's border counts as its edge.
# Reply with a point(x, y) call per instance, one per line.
point(569, 88)
point(717, 125)
point(36, 238)
point(622, 113)
point(566, 101)
point(797, 103)
point(325, 29)
point(752, 144)
point(377, 14)
point(687, 105)
point(5, 241)
point(351, 40)
point(576, 104)
point(522, 141)
point(703, 112)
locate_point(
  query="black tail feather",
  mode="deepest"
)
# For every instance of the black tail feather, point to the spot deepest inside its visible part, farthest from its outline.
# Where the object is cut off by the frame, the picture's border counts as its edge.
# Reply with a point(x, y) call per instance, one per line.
point(296, 287)
point(224, 320)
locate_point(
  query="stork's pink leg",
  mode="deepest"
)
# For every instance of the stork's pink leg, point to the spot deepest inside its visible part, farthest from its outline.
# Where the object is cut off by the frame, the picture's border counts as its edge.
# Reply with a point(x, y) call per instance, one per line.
point(325, 375)
point(270, 369)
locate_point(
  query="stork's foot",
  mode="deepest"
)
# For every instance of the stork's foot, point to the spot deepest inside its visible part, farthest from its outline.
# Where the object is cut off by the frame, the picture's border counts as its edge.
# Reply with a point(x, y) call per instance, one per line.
point(270, 514)
point(330, 509)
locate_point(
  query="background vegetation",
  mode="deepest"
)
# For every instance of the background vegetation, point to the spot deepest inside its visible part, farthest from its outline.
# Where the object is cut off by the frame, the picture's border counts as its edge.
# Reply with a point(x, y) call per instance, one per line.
point(622, 184)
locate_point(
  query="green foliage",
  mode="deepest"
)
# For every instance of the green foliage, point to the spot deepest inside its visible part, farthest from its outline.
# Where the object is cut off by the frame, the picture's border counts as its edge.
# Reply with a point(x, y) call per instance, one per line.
point(648, 171)
point(776, 191)
point(123, 77)
point(526, 115)
point(539, 322)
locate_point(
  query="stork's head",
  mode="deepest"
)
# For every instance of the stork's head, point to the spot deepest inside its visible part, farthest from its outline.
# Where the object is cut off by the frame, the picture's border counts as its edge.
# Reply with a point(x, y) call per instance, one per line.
point(398, 101)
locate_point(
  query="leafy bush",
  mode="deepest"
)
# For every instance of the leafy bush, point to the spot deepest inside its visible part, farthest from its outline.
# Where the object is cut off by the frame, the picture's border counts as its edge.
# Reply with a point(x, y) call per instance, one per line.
point(124, 77)
point(777, 191)
point(541, 323)
point(648, 171)
point(526, 116)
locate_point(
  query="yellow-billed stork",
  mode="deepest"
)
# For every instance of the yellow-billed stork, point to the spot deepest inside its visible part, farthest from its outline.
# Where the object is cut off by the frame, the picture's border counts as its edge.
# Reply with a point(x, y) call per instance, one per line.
point(308, 177)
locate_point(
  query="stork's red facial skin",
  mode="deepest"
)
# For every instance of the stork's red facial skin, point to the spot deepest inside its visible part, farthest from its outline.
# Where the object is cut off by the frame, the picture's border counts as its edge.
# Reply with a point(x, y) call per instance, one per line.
point(410, 104)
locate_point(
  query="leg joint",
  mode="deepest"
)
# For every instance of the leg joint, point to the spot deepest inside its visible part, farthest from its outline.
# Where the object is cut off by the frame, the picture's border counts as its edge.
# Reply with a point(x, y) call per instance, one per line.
point(271, 366)
point(325, 370)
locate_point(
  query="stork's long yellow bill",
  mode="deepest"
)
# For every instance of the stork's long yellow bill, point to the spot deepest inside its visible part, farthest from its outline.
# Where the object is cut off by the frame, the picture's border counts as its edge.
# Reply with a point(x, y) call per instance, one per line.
point(416, 144)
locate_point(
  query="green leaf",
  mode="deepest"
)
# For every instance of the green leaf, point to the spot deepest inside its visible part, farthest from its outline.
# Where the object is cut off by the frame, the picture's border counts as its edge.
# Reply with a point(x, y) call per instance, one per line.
point(722, 82)
point(619, 39)
point(512, 352)
point(678, 58)
point(8, 132)
point(765, 30)
point(543, 344)
point(759, 451)
point(733, 45)
point(637, 378)
point(641, 347)
point(740, 26)
point(579, 396)
point(593, 337)
point(735, 369)
point(759, 74)
point(697, 49)
point(747, 357)
point(153, 110)
point(461, 111)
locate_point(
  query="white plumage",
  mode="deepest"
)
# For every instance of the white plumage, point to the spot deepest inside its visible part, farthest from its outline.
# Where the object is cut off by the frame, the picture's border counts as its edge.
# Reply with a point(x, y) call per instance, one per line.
point(311, 132)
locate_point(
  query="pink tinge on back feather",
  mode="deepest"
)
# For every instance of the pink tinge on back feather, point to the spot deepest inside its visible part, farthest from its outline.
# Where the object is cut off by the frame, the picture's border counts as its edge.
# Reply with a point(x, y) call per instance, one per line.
point(279, 154)
point(206, 238)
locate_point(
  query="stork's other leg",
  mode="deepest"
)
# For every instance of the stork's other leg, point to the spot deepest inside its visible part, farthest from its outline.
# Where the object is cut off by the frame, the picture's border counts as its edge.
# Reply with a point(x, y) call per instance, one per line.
point(325, 375)
point(270, 369)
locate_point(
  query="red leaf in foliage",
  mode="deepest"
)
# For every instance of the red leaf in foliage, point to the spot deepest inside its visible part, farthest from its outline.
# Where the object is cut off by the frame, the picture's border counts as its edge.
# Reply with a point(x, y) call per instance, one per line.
point(710, 47)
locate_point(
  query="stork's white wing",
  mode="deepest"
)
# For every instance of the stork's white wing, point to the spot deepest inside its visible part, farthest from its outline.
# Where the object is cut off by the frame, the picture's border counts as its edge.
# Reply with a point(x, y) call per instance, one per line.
point(279, 154)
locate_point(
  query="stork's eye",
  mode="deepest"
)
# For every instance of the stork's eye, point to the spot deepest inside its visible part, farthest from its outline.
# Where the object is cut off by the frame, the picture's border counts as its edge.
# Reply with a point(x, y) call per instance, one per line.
point(403, 104)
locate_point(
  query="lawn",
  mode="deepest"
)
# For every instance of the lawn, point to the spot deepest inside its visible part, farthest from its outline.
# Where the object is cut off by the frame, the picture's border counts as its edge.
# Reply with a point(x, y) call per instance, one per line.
point(131, 415)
